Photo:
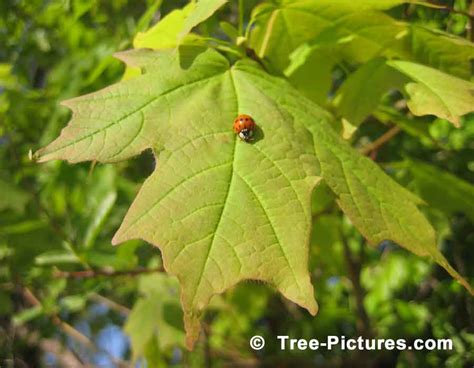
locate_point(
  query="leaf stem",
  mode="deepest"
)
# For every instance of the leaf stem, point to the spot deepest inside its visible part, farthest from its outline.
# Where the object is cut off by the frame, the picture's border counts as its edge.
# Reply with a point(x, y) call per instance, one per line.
point(268, 33)
point(241, 17)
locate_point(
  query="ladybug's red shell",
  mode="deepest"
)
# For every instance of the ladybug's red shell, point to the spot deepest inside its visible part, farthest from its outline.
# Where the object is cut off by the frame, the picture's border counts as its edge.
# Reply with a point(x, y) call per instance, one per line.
point(244, 126)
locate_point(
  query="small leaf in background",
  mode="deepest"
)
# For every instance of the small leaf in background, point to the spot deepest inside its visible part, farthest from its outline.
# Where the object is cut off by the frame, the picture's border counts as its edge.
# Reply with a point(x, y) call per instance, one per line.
point(428, 182)
point(229, 30)
point(27, 315)
point(156, 318)
point(98, 218)
point(361, 27)
point(388, 277)
point(56, 257)
point(201, 11)
point(312, 74)
point(164, 34)
point(147, 17)
point(362, 91)
point(436, 93)
point(73, 303)
point(281, 28)
point(441, 50)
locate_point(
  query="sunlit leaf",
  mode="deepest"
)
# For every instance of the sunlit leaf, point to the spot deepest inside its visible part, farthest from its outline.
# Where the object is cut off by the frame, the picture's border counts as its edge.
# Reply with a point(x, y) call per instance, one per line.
point(202, 10)
point(361, 92)
point(164, 34)
point(436, 93)
point(364, 30)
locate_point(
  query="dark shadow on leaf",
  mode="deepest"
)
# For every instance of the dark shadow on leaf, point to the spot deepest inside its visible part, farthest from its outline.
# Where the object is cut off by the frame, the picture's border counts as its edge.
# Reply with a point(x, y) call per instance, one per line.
point(189, 53)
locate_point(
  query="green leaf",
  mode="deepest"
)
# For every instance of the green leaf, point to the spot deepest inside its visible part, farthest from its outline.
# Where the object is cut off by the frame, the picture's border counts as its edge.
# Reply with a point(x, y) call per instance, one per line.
point(56, 257)
point(281, 27)
point(27, 315)
point(156, 317)
point(202, 10)
point(312, 74)
point(164, 34)
point(441, 50)
point(11, 197)
point(436, 93)
point(222, 210)
point(146, 18)
point(73, 303)
point(428, 182)
point(229, 30)
point(362, 91)
point(135, 115)
point(378, 207)
point(7, 77)
point(6, 304)
point(99, 217)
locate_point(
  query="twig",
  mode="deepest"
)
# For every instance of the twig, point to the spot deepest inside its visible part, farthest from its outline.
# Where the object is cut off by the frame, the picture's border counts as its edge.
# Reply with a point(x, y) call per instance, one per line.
point(97, 273)
point(65, 327)
point(70, 330)
point(110, 303)
point(451, 9)
point(354, 267)
point(379, 142)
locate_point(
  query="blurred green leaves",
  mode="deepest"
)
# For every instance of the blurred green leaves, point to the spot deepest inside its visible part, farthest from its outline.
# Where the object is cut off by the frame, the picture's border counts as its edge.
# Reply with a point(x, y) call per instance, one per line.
point(156, 321)
point(428, 182)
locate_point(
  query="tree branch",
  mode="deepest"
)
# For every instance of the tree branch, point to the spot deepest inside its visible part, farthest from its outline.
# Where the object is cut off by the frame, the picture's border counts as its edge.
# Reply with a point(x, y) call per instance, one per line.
point(98, 273)
point(110, 303)
point(69, 330)
point(354, 267)
point(65, 327)
point(379, 142)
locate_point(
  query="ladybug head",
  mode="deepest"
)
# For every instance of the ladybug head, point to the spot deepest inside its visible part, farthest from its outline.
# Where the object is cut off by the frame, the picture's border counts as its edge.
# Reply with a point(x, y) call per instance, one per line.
point(246, 134)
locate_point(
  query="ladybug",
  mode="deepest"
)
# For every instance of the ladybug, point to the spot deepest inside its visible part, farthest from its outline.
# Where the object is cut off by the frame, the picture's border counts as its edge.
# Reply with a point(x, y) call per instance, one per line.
point(244, 126)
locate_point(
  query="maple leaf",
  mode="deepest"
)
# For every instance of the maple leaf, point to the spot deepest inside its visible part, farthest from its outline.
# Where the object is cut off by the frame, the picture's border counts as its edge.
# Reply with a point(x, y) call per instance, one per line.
point(222, 210)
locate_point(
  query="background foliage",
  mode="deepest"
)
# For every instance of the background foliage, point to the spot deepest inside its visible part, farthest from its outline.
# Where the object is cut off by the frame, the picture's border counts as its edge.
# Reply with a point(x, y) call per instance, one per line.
point(66, 291)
